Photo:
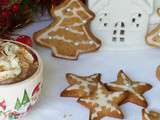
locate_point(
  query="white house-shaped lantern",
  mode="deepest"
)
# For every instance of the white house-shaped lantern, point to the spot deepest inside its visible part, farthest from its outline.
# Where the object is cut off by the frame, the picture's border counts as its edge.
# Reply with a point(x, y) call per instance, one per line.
point(121, 24)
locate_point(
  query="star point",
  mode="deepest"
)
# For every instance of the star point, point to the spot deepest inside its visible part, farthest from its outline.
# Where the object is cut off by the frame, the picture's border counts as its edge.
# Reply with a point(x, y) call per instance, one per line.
point(81, 86)
point(136, 89)
point(104, 103)
point(150, 115)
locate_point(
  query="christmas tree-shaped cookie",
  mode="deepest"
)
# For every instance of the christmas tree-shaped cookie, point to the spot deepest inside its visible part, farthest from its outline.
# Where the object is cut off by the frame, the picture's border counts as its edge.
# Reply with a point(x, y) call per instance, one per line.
point(69, 35)
point(153, 37)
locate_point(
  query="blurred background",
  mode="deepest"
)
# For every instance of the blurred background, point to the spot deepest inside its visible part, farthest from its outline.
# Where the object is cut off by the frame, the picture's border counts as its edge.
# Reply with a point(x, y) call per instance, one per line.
point(16, 14)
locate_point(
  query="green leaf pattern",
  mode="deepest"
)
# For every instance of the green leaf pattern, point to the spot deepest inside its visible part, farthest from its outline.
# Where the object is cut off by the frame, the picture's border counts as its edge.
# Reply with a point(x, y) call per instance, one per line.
point(20, 104)
point(25, 98)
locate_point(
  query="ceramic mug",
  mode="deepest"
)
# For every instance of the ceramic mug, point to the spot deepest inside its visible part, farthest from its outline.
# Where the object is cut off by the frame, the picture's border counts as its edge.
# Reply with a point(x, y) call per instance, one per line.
point(17, 99)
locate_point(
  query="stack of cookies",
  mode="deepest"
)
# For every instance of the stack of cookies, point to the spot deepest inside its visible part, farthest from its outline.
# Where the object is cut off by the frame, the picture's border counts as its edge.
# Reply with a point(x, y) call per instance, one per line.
point(104, 99)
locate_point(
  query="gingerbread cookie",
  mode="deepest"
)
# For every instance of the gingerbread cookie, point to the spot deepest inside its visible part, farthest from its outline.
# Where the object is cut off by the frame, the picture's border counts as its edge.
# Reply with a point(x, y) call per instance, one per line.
point(69, 35)
point(150, 115)
point(136, 89)
point(104, 103)
point(81, 86)
point(158, 11)
point(153, 38)
point(158, 72)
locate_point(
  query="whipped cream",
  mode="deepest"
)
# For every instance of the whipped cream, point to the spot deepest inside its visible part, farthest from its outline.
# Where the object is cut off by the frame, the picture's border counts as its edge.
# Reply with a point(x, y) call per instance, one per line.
point(10, 64)
point(27, 55)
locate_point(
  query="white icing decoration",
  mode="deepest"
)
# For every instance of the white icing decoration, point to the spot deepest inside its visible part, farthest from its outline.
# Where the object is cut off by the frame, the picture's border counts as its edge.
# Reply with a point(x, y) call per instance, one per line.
point(76, 24)
point(62, 39)
point(151, 39)
point(139, 84)
point(82, 82)
point(146, 117)
point(127, 88)
point(84, 21)
point(68, 9)
point(50, 37)
point(71, 41)
point(125, 81)
point(91, 42)
point(72, 30)
point(103, 100)
point(76, 44)
point(145, 114)
point(67, 28)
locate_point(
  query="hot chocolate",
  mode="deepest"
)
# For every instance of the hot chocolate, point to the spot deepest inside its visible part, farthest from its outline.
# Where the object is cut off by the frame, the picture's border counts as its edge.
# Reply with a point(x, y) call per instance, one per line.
point(17, 62)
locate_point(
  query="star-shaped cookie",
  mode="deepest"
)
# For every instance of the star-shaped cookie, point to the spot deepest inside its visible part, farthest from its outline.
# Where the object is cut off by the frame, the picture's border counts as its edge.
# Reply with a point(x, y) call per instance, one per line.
point(104, 103)
point(136, 89)
point(150, 115)
point(81, 86)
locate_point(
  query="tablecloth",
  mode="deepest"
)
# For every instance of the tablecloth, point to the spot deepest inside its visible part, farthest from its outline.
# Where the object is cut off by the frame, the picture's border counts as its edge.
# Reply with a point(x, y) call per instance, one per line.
point(139, 65)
